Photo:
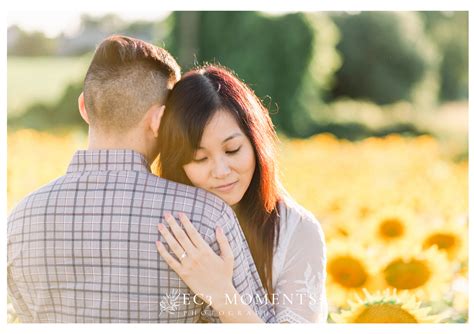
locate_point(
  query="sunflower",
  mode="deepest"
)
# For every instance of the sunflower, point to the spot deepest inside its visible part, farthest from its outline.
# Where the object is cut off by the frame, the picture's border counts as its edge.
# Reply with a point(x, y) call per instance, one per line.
point(386, 307)
point(449, 237)
point(338, 226)
point(350, 268)
point(425, 273)
point(390, 226)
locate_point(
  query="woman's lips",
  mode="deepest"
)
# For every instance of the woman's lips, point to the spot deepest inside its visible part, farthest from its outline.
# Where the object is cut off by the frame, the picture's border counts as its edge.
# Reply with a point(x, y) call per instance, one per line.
point(227, 187)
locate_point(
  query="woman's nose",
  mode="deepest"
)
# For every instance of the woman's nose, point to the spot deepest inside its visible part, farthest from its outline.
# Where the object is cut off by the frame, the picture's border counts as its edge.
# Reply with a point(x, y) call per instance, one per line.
point(221, 169)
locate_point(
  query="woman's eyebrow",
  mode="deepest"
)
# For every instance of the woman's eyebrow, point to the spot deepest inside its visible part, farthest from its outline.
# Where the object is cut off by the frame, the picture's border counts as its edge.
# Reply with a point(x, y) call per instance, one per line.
point(237, 134)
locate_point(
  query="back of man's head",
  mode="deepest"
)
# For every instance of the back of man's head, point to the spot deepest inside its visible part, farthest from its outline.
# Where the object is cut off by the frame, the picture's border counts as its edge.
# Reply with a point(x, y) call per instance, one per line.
point(125, 78)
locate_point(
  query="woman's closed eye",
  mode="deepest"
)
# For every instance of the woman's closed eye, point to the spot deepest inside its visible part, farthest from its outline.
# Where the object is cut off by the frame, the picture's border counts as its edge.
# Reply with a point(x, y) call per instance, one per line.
point(233, 151)
point(198, 160)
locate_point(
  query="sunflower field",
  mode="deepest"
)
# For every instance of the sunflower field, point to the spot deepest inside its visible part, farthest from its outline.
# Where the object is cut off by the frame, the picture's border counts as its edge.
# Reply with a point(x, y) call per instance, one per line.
point(394, 213)
point(393, 210)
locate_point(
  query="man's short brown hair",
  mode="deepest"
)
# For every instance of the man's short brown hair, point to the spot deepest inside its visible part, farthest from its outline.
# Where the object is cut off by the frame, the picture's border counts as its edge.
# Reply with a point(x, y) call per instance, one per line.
point(125, 78)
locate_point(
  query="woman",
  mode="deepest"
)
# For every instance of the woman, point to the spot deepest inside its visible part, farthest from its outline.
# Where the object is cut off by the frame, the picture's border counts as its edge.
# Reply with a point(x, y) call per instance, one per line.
point(216, 135)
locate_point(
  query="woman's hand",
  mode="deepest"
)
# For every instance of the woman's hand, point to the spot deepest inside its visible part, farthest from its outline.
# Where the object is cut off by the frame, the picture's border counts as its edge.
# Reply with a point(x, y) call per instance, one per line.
point(207, 274)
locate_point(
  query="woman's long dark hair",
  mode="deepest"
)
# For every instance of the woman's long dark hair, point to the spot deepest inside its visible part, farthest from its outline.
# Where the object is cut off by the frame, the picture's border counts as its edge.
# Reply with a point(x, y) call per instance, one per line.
point(192, 103)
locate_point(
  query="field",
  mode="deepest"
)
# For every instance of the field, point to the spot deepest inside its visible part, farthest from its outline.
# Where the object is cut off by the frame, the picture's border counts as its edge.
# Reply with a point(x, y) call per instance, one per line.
point(394, 212)
point(404, 198)
point(40, 79)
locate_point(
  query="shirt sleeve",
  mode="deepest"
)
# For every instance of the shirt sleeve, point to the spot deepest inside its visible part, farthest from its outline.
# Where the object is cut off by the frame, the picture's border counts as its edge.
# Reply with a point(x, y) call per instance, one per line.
point(300, 288)
point(18, 303)
point(13, 255)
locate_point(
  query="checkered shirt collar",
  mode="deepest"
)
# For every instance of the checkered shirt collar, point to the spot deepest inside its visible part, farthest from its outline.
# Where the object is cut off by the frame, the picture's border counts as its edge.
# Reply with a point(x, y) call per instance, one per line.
point(103, 160)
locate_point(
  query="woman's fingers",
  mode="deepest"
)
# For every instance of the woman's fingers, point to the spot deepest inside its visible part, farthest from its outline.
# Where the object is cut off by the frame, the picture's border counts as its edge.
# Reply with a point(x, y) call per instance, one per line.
point(174, 245)
point(193, 234)
point(226, 250)
point(179, 234)
point(175, 265)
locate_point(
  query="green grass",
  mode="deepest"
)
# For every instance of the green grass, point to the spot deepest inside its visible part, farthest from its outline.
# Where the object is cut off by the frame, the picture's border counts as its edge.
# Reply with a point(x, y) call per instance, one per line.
point(41, 79)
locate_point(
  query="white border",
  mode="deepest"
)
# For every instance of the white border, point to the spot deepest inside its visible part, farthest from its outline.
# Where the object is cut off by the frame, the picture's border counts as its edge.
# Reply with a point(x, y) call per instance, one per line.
point(276, 5)
point(48, 6)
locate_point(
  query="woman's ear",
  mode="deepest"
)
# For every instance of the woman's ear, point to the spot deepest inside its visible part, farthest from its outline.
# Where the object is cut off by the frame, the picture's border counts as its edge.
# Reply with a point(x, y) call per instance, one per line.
point(82, 108)
point(156, 115)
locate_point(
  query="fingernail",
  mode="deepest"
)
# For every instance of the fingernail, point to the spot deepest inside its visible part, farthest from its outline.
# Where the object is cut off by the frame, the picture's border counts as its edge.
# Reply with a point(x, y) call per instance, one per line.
point(160, 226)
point(167, 215)
point(219, 230)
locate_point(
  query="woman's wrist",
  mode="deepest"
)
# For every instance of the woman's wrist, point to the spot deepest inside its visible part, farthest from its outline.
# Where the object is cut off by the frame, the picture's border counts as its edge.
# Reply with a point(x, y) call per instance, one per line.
point(228, 297)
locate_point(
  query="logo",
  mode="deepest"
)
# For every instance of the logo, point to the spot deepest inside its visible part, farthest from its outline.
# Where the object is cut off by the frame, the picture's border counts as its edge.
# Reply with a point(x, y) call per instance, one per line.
point(170, 302)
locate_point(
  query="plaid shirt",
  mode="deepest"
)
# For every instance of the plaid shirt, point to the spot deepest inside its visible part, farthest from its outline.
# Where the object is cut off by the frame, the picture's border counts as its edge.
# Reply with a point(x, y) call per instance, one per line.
point(82, 248)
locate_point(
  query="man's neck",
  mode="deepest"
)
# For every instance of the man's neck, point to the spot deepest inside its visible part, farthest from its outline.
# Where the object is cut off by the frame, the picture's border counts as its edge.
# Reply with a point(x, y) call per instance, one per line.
point(126, 142)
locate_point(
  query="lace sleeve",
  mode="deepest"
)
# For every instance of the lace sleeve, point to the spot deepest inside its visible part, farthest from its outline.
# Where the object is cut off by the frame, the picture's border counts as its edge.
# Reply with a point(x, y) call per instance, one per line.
point(300, 287)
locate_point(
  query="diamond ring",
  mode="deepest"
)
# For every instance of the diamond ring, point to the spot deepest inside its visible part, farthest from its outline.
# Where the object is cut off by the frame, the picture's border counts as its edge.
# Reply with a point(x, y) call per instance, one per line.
point(183, 256)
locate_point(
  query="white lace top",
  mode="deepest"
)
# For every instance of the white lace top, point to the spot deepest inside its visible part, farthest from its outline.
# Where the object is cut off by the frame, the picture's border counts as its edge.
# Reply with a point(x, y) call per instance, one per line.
point(299, 267)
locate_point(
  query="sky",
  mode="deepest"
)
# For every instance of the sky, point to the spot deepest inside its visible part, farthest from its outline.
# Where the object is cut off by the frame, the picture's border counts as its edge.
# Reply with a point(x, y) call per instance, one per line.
point(53, 23)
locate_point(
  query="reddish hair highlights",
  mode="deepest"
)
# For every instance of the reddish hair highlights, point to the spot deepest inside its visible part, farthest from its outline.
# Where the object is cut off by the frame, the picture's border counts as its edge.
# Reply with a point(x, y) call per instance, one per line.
point(190, 106)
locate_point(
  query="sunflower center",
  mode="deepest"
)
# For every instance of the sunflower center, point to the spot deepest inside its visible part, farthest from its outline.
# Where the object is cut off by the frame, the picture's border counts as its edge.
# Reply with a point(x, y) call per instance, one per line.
point(364, 211)
point(442, 240)
point(385, 313)
point(347, 271)
point(342, 231)
point(407, 274)
point(391, 229)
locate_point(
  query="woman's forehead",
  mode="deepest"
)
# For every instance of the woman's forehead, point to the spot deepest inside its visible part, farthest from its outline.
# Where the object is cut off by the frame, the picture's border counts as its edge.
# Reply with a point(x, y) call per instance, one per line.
point(221, 123)
point(221, 128)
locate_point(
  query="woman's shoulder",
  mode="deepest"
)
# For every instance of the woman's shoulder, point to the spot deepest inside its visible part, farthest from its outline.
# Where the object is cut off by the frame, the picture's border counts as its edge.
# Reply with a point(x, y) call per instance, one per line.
point(295, 221)
point(300, 231)
point(292, 214)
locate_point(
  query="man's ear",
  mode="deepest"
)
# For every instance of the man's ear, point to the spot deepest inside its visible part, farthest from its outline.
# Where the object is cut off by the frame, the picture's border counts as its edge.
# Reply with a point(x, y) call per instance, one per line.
point(82, 108)
point(156, 115)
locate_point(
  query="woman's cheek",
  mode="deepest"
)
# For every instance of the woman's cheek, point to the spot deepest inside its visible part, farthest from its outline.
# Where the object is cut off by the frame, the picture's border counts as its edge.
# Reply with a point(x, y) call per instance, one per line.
point(193, 173)
point(248, 162)
point(202, 178)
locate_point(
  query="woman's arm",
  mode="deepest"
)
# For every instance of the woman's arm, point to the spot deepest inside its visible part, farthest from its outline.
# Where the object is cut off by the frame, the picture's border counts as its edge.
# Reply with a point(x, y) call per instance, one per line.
point(302, 276)
point(207, 274)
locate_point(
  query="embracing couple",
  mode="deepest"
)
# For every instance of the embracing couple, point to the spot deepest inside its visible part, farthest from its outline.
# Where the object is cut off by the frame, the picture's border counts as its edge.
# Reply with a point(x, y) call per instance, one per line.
point(208, 234)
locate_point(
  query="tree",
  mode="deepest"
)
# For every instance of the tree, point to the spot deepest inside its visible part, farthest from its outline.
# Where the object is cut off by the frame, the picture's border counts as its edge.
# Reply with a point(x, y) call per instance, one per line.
point(272, 54)
point(23, 43)
point(385, 55)
point(449, 31)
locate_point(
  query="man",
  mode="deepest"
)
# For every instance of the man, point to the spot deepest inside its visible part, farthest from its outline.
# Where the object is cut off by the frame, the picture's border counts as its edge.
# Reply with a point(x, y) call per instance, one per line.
point(82, 248)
